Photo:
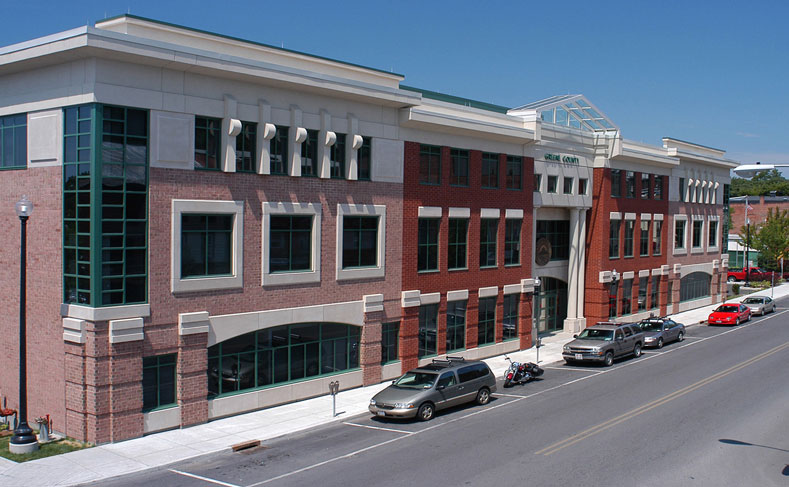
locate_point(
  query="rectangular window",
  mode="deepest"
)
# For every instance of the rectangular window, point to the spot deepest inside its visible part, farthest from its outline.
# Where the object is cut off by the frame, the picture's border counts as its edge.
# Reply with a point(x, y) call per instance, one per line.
point(456, 325)
point(698, 225)
point(679, 234)
point(682, 189)
point(428, 329)
point(552, 181)
point(657, 188)
point(389, 335)
point(582, 186)
point(290, 240)
point(279, 151)
point(568, 185)
point(537, 182)
point(490, 170)
point(207, 143)
point(646, 191)
point(486, 331)
point(427, 253)
point(613, 239)
point(558, 234)
point(653, 302)
point(712, 240)
point(644, 247)
point(488, 231)
point(510, 319)
point(458, 167)
point(337, 158)
point(514, 172)
point(309, 154)
point(616, 183)
point(613, 288)
point(206, 245)
point(13, 141)
point(245, 147)
point(726, 195)
point(158, 382)
point(642, 293)
point(359, 241)
point(429, 164)
point(630, 226)
point(627, 294)
point(670, 293)
point(657, 237)
point(512, 242)
point(364, 160)
point(458, 243)
point(630, 184)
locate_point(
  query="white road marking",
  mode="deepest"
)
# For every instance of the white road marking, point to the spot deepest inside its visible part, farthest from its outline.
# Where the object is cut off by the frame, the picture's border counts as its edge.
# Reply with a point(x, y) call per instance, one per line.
point(505, 395)
point(579, 369)
point(380, 428)
point(205, 479)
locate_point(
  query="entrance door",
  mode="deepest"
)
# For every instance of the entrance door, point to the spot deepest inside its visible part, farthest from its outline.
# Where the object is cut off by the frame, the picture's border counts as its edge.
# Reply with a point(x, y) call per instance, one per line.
point(550, 307)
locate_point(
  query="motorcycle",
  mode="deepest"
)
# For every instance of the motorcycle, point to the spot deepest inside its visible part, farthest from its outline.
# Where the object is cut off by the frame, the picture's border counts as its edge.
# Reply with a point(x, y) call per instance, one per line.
point(520, 373)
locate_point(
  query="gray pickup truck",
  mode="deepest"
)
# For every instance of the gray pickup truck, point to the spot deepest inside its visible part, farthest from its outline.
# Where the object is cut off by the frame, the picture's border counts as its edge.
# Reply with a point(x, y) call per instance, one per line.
point(604, 342)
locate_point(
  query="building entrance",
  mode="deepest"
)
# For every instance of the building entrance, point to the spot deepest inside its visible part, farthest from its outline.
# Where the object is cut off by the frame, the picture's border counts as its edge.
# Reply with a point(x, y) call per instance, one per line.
point(550, 307)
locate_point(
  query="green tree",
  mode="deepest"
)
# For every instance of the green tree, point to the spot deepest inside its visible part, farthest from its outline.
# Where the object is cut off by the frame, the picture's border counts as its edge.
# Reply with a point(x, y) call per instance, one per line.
point(771, 238)
point(760, 185)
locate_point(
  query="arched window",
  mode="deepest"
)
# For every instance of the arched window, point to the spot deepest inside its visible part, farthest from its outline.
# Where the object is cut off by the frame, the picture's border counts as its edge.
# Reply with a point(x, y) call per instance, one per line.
point(694, 286)
point(281, 354)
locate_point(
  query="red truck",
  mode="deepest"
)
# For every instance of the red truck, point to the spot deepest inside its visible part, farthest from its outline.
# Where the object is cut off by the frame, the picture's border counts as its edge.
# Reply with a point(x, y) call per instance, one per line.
point(754, 274)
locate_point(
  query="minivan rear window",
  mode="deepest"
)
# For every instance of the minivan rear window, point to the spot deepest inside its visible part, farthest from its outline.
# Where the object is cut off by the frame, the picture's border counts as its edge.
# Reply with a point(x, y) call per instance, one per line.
point(472, 372)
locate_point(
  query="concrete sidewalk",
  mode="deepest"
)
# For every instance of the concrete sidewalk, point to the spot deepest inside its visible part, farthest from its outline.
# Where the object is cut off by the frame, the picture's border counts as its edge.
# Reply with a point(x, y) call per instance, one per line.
point(156, 450)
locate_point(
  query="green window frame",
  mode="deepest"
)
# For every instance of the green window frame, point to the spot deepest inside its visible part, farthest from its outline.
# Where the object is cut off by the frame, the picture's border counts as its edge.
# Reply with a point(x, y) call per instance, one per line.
point(537, 182)
point(457, 248)
point(627, 293)
point(13, 141)
point(364, 160)
point(642, 293)
point(490, 170)
point(630, 184)
point(657, 188)
point(512, 242)
point(458, 167)
point(290, 243)
point(630, 228)
point(558, 234)
point(552, 182)
point(337, 158)
point(683, 189)
point(616, 183)
point(429, 164)
point(389, 342)
point(246, 147)
point(427, 244)
point(644, 243)
point(657, 237)
point(359, 242)
point(159, 383)
point(208, 141)
point(510, 319)
point(280, 355)
point(695, 285)
point(613, 289)
point(278, 151)
point(654, 290)
point(488, 233)
point(456, 325)
point(679, 234)
point(613, 239)
point(309, 154)
point(568, 185)
point(428, 330)
point(206, 245)
point(698, 229)
point(583, 184)
point(646, 190)
point(514, 172)
point(486, 328)
point(712, 234)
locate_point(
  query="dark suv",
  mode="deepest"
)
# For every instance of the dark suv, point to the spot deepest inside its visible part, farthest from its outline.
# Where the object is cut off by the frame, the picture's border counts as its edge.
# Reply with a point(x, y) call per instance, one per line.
point(604, 342)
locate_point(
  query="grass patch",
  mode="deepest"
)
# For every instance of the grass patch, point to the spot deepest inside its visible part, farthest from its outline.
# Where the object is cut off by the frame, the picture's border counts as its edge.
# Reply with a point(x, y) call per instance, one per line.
point(45, 450)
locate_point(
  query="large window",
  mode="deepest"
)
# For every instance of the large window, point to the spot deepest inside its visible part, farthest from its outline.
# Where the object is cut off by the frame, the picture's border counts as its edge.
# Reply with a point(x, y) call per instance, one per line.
point(290, 240)
point(429, 164)
point(627, 294)
point(458, 243)
point(428, 329)
point(13, 141)
point(644, 246)
point(657, 188)
point(158, 382)
point(207, 143)
point(630, 184)
point(694, 286)
point(642, 293)
point(486, 331)
point(653, 302)
point(510, 318)
point(458, 175)
point(679, 234)
point(512, 242)
point(456, 325)
point(514, 172)
point(537, 182)
point(616, 183)
point(712, 237)
point(206, 245)
point(337, 158)
point(558, 234)
point(657, 236)
point(629, 230)
point(490, 170)
point(552, 182)
point(613, 239)
point(246, 148)
point(427, 253)
point(389, 335)
point(682, 189)
point(488, 232)
point(364, 160)
point(645, 186)
point(698, 226)
point(360, 241)
point(279, 151)
point(568, 185)
point(613, 288)
point(309, 154)
point(582, 186)
point(281, 354)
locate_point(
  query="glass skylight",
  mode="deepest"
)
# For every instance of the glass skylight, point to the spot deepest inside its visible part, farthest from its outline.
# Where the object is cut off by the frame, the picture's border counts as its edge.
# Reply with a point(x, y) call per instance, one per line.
point(570, 111)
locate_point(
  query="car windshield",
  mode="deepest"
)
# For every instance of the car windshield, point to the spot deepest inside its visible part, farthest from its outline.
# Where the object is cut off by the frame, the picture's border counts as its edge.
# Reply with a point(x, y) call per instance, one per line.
point(727, 309)
point(592, 334)
point(753, 301)
point(416, 380)
point(651, 326)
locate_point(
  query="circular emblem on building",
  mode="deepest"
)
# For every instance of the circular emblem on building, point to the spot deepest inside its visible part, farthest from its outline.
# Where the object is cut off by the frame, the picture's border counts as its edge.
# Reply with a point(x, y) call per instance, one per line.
point(542, 252)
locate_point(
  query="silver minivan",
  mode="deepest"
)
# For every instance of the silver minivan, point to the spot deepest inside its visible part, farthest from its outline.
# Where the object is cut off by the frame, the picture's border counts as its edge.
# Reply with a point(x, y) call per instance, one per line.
point(441, 384)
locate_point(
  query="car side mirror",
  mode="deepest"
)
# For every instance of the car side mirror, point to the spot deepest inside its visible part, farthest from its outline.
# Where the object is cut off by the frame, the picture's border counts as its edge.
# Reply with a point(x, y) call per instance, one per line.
point(441, 387)
point(575, 336)
point(619, 339)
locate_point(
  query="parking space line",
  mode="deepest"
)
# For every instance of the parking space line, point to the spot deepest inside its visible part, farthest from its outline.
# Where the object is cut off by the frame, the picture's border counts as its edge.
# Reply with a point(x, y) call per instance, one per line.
point(393, 430)
point(204, 479)
point(505, 395)
point(579, 369)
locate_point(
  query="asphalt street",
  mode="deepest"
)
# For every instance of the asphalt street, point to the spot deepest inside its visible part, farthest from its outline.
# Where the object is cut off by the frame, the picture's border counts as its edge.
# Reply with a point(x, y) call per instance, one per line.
point(711, 410)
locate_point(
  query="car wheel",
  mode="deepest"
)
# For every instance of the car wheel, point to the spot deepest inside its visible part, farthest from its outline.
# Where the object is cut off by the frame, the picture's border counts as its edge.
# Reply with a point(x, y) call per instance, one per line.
point(680, 337)
point(737, 321)
point(426, 412)
point(732, 279)
point(507, 382)
point(660, 342)
point(483, 396)
point(637, 350)
point(609, 359)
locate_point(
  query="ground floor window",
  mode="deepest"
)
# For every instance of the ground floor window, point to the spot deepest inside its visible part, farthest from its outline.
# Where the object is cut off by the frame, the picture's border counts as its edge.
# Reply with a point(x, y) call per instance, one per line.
point(428, 329)
point(695, 285)
point(389, 334)
point(612, 291)
point(486, 331)
point(282, 354)
point(510, 320)
point(158, 382)
point(456, 325)
point(655, 289)
point(642, 293)
point(627, 293)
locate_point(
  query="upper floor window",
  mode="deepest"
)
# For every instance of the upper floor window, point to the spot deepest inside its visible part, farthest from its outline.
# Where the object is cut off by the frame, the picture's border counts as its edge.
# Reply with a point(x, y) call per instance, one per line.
point(629, 230)
point(13, 141)
point(679, 234)
point(364, 160)
point(697, 233)
point(207, 142)
point(582, 186)
point(309, 154)
point(429, 164)
point(512, 242)
point(657, 188)
point(290, 243)
point(279, 151)
point(360, 241)
point(427, 254)
point(490, 170)
point(487, 242)
point(558, 234)
point(245, 147)
point(645, 186)
point(712, 240)
point(458, 175)
point(537, 182)
point(644, 247)
point(514, 170)
point(458, 243)
point(206, 245)
point(682, 189)
point(616, 183)
point(630, 184)
point(552, 182)
point(337, 158)
point(568, 185)
point(613, 239)
point(657, 236)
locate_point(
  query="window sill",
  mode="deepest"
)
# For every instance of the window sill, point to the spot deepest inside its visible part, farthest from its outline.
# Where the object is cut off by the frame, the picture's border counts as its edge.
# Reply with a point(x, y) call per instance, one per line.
point(482, 267)
point(454, 269)
point(514, 189)
point(424, 183)
point(429, 271)
point(489, 187)
point(513, 265)
point(458, 185)
point(160, 408)
point(14, 168)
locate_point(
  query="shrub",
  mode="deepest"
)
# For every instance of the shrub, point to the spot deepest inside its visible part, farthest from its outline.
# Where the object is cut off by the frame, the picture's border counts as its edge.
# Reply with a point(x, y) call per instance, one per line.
point(735, 289)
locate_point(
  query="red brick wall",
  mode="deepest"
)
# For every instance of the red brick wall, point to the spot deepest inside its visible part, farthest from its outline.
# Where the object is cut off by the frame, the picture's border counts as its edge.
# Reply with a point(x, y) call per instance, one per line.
point(757, 215)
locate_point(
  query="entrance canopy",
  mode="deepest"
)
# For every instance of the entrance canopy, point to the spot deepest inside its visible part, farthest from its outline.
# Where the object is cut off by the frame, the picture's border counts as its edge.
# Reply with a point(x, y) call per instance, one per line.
point(572, 111)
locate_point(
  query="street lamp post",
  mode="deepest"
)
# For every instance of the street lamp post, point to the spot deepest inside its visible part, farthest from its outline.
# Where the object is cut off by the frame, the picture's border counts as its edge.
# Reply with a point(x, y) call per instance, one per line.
point(24, 440)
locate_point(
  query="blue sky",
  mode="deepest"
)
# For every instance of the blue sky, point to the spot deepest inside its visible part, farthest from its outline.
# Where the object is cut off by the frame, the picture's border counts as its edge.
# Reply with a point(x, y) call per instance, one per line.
point(714, 73)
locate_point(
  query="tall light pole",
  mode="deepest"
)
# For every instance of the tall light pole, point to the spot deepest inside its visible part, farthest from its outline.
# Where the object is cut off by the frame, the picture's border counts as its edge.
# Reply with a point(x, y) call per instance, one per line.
point(24, 440)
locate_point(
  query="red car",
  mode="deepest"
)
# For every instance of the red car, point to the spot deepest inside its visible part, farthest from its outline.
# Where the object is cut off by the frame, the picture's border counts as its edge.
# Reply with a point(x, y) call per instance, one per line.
point(730, 314)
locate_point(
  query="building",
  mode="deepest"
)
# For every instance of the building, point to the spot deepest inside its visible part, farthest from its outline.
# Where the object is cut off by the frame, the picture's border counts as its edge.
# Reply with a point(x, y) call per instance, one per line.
point(222, 225)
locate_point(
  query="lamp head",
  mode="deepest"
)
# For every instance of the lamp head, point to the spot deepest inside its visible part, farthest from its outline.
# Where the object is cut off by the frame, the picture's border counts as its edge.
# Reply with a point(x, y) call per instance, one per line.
point(24, 207)
point(537, 282)
point(750, 170)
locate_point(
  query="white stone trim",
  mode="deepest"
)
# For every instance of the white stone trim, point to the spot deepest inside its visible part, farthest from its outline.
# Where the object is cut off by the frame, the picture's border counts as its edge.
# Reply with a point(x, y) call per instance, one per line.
point(715, 264)
point(296, 277)
point(630, 216)
point(74, 330)
point(379, 270)
point(657, 271)
point(105, 313)
point(461, 295)
point(646, 216)
point(628, 275)
point(459, 212)
point(487, 292)
point(429, 212)
point(128, 330)
point(696, 218)
point(235, 280)
point(193, 323)
point(658, 217)
point(677, 268)
point(680, 216)
point(161, 419)
point(373, 302)
point(605, 277)
point(513, 214)
point(665, 269)
point(489, 213)
point(409, 299)
point(615, 215)
point(45, 138)
point(705, 267)
point(430, 298)
point(527, 285)
point(643, 273)
point(512, 289)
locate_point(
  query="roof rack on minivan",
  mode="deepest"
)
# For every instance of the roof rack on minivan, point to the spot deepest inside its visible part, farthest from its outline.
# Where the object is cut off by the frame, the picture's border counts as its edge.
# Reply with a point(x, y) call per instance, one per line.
point(448, 360)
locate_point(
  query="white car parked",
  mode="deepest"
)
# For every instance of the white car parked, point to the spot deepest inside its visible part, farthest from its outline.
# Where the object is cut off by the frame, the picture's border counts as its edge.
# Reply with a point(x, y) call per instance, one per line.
point(760, 305)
